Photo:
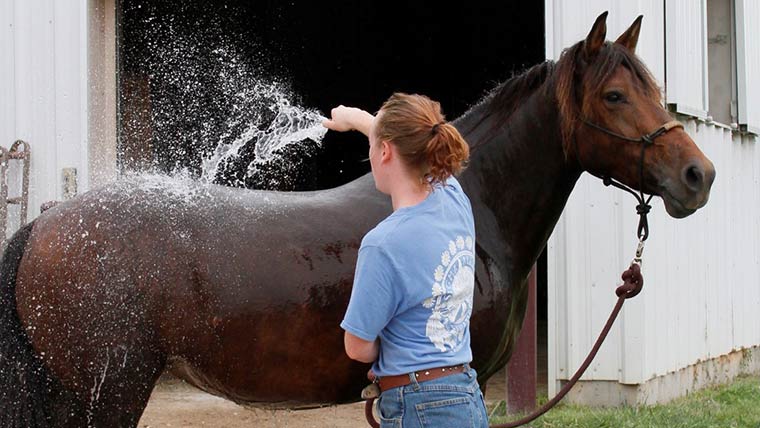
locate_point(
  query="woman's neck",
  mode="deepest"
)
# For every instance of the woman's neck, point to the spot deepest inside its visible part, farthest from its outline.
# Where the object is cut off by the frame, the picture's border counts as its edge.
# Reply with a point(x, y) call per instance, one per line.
point(409, 192)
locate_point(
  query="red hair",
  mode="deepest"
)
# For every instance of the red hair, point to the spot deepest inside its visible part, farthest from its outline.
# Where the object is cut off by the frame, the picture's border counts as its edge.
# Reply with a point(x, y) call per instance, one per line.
point(425, 141)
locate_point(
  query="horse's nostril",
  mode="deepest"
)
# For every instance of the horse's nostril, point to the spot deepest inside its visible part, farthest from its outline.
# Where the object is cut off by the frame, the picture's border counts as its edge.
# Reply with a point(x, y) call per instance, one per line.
point(694, 177)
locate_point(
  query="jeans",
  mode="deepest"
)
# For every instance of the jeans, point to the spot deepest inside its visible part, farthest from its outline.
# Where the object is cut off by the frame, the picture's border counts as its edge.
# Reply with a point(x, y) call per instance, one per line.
point(453, 401)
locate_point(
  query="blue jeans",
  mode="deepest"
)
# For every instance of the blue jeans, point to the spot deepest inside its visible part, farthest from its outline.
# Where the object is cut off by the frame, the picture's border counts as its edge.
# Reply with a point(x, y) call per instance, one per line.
point(453, 401)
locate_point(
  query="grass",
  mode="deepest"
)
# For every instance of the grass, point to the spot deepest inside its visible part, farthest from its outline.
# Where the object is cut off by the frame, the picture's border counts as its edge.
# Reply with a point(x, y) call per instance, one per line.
point(736, 405)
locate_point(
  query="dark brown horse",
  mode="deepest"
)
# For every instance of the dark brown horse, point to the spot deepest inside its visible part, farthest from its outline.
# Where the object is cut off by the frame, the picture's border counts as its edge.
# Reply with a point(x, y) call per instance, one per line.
point(241, 292)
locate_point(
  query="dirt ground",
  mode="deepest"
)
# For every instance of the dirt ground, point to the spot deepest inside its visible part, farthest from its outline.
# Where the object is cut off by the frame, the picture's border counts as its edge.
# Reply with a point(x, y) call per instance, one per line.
point(177, 404)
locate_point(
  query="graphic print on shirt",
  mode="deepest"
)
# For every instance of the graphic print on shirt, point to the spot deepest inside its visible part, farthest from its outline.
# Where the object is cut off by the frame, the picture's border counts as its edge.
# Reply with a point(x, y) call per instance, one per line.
point(451, 300)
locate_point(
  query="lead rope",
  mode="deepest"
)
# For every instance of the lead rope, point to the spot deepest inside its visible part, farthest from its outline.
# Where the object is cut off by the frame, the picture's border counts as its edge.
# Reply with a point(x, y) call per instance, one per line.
point(633, 281)
point(632, 285)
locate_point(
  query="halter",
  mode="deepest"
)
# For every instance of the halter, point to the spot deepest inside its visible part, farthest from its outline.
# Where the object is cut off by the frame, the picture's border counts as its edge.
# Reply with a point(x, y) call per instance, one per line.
point(643, 207)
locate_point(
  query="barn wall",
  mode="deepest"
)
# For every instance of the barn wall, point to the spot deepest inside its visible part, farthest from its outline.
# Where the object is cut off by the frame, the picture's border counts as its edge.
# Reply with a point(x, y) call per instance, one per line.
point(57, 92)
point(43, 100)
point(700, 272)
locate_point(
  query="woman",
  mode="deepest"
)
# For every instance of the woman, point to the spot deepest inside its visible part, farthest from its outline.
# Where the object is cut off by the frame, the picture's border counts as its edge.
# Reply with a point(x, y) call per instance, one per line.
point(410, 307)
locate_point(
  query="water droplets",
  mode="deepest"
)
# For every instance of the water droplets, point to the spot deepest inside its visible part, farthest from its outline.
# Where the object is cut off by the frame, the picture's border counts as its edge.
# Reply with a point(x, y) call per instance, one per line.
point(206, 107)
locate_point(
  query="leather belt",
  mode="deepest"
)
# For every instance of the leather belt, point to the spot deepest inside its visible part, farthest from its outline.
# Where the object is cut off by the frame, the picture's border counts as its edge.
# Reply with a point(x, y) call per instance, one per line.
point(390, 382)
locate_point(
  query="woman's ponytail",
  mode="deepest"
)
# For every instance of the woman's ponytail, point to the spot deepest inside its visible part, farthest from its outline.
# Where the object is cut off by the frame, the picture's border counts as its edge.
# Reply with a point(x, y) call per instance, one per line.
point(425, 141)
point(447, 153)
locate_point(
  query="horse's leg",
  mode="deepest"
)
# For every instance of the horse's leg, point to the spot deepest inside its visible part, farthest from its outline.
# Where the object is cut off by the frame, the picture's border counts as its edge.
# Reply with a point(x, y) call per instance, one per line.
point(127, 376)
point(116, 358)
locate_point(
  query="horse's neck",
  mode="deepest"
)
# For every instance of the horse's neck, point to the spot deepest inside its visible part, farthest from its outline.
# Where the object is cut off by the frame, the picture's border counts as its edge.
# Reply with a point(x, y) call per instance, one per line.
point(519, 182)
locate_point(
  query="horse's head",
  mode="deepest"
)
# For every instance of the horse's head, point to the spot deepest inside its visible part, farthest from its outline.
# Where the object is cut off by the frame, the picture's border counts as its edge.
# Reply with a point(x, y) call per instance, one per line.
point(603, 89)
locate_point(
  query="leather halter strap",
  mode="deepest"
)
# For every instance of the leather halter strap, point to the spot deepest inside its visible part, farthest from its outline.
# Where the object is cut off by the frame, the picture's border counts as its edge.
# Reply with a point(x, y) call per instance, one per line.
point(643, 207)
point(646, 138)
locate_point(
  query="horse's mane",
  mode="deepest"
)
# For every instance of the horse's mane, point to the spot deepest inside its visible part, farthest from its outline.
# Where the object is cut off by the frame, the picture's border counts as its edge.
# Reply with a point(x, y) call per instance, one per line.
point(503, 100)
point(559, 81)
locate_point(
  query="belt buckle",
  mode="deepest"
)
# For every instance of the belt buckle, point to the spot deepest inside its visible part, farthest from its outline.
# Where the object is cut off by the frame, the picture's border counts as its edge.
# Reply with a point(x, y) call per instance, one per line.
point(371, 391)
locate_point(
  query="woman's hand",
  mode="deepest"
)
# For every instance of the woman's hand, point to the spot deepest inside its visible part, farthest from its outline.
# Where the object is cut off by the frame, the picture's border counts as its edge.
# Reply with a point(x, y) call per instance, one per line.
point(348, 119)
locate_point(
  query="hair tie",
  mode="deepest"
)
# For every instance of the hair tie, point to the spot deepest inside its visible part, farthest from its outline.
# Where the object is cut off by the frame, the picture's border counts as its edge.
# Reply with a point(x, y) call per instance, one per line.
point(434, 130)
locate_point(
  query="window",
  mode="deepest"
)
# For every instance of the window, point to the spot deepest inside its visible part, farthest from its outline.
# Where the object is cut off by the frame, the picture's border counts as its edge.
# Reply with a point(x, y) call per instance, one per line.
point(721, 54)
point(747, 18)
point(686, 57)
point(712, 52)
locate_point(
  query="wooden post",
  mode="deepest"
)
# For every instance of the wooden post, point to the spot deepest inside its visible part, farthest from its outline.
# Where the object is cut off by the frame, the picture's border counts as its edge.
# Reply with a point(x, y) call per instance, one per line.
point(521, 369)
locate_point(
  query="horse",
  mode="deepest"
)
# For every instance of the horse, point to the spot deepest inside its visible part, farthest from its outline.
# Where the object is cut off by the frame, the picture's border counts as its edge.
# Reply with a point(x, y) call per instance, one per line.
point(241, 292)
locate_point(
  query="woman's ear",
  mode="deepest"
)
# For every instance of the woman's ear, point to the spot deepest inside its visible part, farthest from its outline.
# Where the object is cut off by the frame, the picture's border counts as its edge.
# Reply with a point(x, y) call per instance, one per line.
point(386, 151)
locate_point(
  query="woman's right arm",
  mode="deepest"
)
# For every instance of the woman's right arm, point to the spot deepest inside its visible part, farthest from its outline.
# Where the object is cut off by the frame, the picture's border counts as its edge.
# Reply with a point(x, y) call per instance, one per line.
point(349, 119)
point(359, 349)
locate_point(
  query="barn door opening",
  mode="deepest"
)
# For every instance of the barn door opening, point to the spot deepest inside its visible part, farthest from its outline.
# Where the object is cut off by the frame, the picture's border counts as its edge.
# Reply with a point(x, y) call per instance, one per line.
point(189, 71)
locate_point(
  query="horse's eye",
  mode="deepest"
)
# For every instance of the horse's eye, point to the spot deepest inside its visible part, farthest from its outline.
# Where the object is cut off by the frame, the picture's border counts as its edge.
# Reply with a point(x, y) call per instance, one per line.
point(614, 97)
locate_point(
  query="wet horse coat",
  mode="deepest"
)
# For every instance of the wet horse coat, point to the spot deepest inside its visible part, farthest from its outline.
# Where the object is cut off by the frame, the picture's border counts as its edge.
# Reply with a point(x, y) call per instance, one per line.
point(241, 292)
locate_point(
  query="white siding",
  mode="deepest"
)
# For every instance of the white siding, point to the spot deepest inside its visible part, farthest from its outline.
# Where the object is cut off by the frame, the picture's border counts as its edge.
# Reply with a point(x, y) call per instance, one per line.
point(7, 74)
point(43, 83)
point(686, 56)
point(748, 62)
point(700, 297)
point(702, 270)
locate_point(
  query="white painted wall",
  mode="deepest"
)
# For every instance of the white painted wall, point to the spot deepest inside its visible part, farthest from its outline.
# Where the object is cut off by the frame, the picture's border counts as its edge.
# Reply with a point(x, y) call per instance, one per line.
point(701, 290)
point(43, 92)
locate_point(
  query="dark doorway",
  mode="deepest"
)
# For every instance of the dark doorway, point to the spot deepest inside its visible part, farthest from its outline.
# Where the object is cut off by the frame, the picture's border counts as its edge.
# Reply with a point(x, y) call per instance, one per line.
point(542, 333)
point(325, 53)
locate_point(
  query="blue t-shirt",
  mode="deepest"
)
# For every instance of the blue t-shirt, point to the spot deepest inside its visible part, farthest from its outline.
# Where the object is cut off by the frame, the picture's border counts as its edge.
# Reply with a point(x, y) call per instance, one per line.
point(414, 282)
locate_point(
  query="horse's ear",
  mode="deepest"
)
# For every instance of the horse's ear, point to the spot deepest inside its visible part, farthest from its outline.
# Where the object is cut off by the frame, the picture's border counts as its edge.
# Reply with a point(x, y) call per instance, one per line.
point(630, 38)
point(596, 37)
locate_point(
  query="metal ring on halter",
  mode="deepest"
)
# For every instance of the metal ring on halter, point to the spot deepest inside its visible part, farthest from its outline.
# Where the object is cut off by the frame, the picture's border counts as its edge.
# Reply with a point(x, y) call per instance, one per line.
point(639, 252)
